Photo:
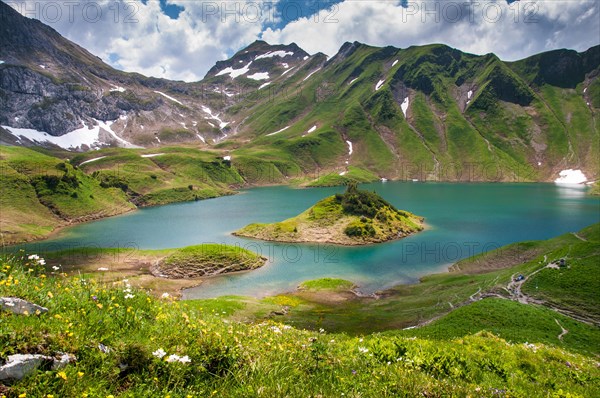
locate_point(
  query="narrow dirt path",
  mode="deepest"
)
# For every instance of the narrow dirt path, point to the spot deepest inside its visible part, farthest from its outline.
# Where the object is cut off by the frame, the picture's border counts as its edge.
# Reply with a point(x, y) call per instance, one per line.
point(579, 236)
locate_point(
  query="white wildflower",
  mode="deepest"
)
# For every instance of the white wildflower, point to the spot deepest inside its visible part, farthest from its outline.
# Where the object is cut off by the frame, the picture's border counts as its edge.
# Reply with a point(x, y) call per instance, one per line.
point(185, 359)
point(160, 353)
point(173, 358)
point(363, 350)
point(55, 268)
point(165, 295)
point(102, 269)
point(129, 295)
point(275, 329)
point(34, 257)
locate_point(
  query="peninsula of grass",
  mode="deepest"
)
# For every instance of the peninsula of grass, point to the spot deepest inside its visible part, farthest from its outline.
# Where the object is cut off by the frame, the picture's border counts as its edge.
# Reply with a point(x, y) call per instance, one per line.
point(355, 217)
point(206, 260)
point(328, 284)
point(160, 271)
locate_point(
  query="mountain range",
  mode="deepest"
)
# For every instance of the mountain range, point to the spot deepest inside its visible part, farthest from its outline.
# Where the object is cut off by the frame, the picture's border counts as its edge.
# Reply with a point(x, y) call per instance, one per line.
point(424, 112)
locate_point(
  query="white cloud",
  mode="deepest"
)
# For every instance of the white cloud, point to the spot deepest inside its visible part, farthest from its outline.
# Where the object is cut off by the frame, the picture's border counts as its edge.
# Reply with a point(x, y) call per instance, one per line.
point(206, 32)
point(511, 31)
point(147, 41)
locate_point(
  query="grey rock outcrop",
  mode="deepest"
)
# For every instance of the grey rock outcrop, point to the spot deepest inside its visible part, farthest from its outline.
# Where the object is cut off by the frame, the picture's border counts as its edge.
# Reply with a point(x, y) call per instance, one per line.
point(20, 307)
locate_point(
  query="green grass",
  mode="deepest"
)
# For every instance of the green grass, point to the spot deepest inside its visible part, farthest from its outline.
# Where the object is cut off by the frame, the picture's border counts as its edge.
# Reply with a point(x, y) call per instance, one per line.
point(270, 358)
point(514, 322)
point(208, 259)
point(332, 284)
point(354, 174)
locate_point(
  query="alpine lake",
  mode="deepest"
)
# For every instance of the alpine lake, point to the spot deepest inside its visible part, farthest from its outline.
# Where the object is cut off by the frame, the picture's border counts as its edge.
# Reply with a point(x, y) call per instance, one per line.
point(462, 219)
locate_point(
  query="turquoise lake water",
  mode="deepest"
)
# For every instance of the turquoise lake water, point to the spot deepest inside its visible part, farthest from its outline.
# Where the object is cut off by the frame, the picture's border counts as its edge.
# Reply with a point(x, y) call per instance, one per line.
point(462, 219)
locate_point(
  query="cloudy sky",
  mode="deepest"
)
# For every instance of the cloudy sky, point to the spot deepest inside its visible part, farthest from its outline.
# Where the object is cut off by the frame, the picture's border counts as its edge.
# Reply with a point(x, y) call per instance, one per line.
point(182, 39)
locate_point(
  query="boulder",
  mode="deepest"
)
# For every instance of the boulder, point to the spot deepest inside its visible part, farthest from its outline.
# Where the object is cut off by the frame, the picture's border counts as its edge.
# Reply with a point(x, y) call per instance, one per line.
point(19, 366)
point(20, 307)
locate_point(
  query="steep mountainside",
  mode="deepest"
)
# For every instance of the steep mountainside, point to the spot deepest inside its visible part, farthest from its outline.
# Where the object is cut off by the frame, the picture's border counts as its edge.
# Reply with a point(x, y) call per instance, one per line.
point(426, 113)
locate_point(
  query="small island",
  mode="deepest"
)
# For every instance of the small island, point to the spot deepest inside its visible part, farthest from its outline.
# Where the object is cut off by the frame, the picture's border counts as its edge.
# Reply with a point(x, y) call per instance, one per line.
point(355, 217)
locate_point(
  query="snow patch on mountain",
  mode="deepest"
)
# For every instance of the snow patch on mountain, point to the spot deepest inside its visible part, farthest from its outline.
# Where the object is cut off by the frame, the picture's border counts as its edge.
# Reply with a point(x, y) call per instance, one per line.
point(353, 80)
point(404, 106)
point(233, 73)
point(278, 131)
point(379, 84)
point(201, 138)
point(571, 176)
point(469, 94)
point(310, 74)
point(73, 140)
point(312, 129)
point(271, 54)
point(168, 97)
point(394, 64)
point(259, 76)
point(350, 150)
point(91, 160)
point(117, 89)
point(216, 117)
point(289, 70)
point(152, 155)
point(264, 85)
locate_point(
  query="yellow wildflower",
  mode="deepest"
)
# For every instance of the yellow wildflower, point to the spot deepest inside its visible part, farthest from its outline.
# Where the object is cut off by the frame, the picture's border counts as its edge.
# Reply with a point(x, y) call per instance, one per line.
point(62, 375)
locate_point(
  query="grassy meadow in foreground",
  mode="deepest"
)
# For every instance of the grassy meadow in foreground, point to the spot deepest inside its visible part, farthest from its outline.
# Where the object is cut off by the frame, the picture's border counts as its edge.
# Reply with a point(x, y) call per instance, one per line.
point(130, 344)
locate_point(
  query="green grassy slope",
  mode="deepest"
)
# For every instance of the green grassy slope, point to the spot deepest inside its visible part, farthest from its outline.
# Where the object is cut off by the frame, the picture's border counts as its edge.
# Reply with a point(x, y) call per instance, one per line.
point(464, 111)
point(43, 191)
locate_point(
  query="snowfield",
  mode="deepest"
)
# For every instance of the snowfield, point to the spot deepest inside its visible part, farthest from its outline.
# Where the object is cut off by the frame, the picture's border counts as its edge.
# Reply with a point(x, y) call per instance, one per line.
point(259, 76)
point(271, 54)
point(233, 73)
point(349, 147)
point(75, 139)
point(571, 176)
point(379, 84)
